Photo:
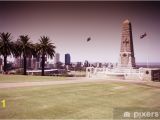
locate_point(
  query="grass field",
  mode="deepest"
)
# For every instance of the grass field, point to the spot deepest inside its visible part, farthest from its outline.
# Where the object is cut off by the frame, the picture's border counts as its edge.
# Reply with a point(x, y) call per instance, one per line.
point(29, 78)
point(75, 101)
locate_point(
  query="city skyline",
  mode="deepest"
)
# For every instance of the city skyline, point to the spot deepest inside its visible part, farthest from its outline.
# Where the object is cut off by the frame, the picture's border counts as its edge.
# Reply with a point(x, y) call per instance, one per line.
point(69, 24)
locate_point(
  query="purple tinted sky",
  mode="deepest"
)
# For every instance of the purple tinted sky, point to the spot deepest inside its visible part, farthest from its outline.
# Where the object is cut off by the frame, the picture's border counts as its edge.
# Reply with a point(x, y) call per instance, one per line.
point(68, 24)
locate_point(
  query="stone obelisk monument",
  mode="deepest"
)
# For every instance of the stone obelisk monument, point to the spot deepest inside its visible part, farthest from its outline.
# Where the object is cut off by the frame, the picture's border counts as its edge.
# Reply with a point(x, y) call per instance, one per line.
point(127, 59)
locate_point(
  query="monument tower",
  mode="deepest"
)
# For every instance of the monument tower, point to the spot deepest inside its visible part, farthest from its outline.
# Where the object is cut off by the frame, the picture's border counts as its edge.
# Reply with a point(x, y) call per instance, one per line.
point(127, 59)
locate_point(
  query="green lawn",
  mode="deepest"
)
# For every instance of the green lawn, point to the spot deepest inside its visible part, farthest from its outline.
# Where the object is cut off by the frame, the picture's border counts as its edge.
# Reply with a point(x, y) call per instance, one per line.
point(74, 101)
point(28, 78)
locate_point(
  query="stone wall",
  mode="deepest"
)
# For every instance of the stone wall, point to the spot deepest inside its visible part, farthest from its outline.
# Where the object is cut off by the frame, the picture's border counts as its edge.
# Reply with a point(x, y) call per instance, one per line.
point(147, 74)
point(151, 74)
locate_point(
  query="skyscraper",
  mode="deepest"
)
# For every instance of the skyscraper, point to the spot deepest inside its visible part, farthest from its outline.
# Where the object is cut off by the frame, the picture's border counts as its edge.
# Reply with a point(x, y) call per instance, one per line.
point(86, 63)
point(57, 58)
point(67, 59)
point(33, 63)
point(127, 59)
point(29, 62)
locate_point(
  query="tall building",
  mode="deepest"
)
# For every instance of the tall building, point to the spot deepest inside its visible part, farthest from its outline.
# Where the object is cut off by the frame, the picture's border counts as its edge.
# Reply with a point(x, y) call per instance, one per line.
point(33, 63)
point(127, 59)
point(86, 63)
point(57, 58)
point(98, 64)
point(67, 59)
point(29, 62)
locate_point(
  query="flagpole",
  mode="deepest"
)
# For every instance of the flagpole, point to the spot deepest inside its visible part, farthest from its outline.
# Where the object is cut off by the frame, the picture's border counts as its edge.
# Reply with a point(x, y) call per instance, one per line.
point(147, 47)
point(147, 53)
point(147, 61)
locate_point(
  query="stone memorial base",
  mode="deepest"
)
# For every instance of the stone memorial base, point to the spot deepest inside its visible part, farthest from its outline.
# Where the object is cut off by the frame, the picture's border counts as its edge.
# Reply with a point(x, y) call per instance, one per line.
point(149, 74)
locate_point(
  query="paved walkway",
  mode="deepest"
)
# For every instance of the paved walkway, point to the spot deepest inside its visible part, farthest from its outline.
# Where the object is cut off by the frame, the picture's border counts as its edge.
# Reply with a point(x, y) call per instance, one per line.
point(70, 81)
point(74, 80)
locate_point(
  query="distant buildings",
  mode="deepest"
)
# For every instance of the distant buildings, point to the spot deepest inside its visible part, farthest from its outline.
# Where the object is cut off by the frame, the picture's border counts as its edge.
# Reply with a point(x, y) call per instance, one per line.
point(86, 63)
point(32, 62)
point(18, 62)
point(98, 64)
point(67, 59)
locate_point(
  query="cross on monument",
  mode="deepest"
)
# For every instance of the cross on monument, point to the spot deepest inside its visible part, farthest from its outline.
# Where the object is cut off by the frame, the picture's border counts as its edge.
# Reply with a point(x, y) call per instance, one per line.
point(125, 42)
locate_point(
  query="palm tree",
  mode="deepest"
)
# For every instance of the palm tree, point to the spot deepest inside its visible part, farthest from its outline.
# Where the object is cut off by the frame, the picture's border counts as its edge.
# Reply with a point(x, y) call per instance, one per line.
point(45, 48)
point(24, 48)
point(6, 47)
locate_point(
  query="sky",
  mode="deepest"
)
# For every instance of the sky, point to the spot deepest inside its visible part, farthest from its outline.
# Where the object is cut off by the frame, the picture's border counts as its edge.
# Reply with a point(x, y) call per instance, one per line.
point(68, 24)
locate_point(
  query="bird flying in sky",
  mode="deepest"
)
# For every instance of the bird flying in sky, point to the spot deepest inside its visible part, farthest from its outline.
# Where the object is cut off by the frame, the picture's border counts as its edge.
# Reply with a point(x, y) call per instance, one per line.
point(88, 39)
point(143, 35)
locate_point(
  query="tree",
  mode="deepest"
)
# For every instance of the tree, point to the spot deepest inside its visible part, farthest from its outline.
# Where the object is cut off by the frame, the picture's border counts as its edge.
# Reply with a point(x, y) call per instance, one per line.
point(45, 48)
point(6, 47)
point(25, 49)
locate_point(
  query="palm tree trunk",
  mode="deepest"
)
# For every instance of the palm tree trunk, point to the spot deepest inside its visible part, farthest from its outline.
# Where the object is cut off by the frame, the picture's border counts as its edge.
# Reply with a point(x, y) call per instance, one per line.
point(43, 64)
point(5, 64)
point(24, 65)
